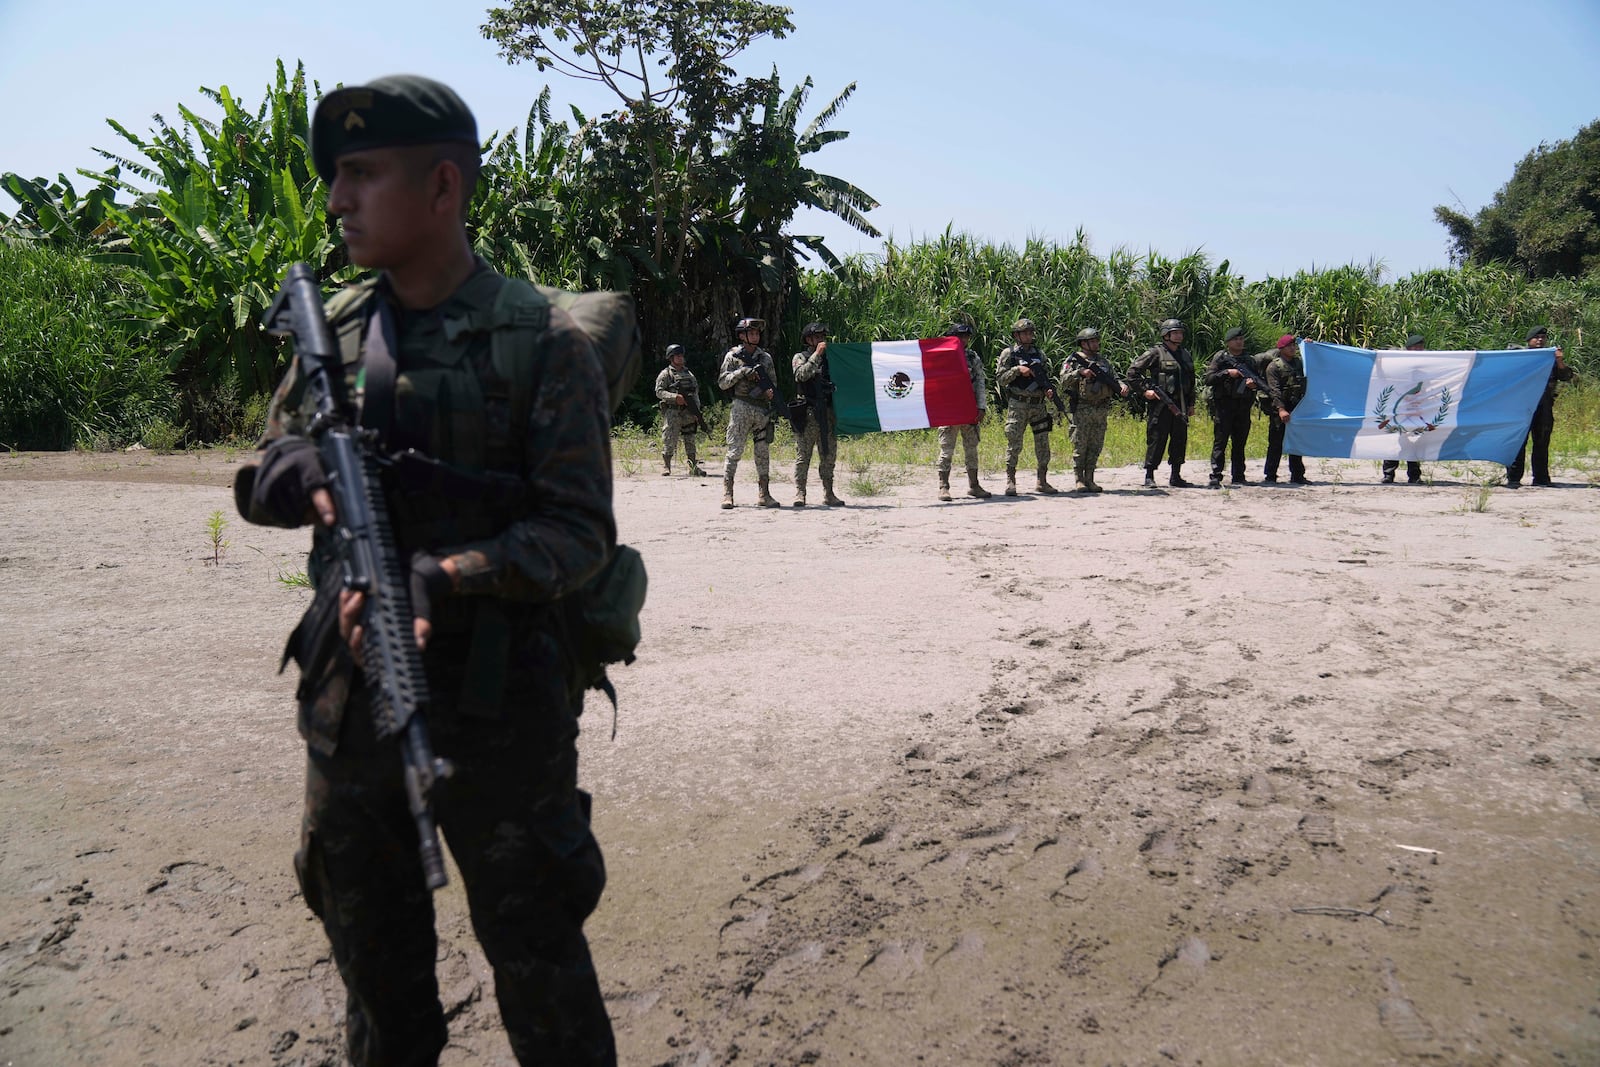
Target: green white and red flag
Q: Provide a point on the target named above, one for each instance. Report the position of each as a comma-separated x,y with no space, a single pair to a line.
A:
901,385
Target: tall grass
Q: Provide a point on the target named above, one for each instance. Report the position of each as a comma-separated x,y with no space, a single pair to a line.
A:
71,372
918,290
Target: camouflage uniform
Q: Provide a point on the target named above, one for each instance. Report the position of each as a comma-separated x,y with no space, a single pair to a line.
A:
749,417
505,698
812,380
677,421
1286,378
1024,409
1089,403
1232,405
1164,431
967,433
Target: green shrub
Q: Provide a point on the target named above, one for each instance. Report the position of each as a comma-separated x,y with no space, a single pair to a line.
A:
71,372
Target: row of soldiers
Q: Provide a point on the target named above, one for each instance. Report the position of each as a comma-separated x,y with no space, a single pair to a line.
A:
1165,377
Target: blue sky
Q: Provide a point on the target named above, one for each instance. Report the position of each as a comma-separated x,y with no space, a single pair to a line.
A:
1275,135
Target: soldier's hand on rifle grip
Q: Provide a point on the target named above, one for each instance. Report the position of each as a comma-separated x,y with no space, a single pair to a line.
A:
681,401
432,579
322,504
351,604
1150,394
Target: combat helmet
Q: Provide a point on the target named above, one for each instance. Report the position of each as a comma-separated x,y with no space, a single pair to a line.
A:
1088,333
673,350
1168,325
1020,325
814,329
750,324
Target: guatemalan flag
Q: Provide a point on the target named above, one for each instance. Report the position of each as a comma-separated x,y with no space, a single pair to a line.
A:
1366,404
901,385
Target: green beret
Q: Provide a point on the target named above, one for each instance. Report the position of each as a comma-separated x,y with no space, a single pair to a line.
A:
401,109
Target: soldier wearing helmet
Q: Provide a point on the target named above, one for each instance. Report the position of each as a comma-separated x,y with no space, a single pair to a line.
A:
1091,386
968,433
1415,342
748,374
679,395
812,414
1165,368
1023,374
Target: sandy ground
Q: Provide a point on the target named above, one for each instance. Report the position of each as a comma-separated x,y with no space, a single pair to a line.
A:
1263,776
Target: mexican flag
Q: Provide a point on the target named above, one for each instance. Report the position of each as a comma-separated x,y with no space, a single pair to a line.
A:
901,385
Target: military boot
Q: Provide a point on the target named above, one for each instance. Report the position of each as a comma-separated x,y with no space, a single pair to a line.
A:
973,488
799,494
666,464
1089,485
765,499
695,468
1149,477
727,490
827,494
1177,480
1043,486
1011,481
944,486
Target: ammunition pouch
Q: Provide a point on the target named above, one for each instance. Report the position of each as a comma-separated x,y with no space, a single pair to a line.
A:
1041,424
797,414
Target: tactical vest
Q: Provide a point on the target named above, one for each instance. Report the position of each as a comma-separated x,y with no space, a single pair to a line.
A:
1027,390
472,396
678,383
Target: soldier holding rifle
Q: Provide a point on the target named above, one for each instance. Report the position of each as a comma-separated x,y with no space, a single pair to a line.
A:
1091,387
748,373
1025,376
488,571
1235,386
1164,374
679,396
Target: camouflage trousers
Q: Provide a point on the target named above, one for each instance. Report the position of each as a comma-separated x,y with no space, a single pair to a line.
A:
673,421
745,421
811,440
1022,415
947,446
1087,429
518,827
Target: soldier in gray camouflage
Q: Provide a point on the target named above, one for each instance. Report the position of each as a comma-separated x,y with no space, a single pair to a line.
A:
748,374
969,432
679,395
1086,378
1024,375
818,430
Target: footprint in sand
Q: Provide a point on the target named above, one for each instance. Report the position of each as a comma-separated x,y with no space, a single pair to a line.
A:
1163,852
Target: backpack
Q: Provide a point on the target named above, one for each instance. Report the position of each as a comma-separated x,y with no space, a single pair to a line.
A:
603,613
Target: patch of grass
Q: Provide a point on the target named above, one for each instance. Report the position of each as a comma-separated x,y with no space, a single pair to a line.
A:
215,525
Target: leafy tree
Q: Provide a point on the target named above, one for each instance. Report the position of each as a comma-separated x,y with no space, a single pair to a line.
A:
667,63
233,202
53,213
1545,220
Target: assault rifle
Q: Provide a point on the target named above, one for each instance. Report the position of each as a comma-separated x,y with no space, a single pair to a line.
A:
763,384
1166,398
1248,374
1102,374
1040,385
691,404
369,562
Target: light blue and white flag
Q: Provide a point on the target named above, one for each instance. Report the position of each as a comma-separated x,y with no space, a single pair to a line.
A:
1404,405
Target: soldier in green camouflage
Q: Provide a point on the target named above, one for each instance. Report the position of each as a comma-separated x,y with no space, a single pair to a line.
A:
1543,424
401,159
968,433
679,395
1286,381
819,431
1021,371
1087,378
748,374
1169,367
